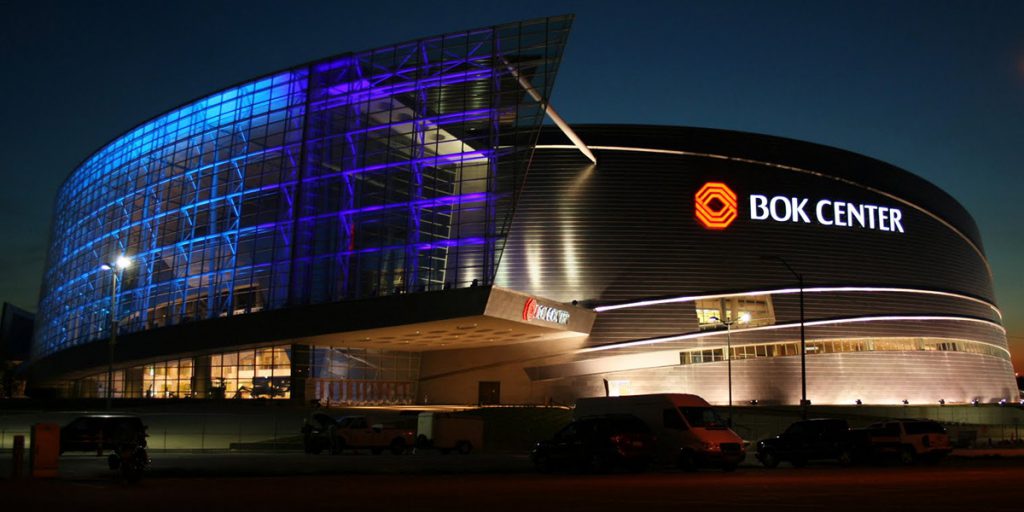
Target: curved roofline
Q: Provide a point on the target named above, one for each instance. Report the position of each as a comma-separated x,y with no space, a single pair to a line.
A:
593,136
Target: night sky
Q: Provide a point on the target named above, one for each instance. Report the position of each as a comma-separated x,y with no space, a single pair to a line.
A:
934,87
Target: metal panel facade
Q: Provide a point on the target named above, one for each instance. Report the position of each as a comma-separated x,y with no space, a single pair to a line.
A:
626,231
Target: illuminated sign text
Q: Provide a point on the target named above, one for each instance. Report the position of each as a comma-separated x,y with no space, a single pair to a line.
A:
826,212
532,310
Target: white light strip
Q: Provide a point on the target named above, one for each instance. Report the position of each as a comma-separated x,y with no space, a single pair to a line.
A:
862,319
942,221
784,291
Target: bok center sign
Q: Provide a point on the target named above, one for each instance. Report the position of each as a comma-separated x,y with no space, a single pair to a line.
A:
716,207
826,212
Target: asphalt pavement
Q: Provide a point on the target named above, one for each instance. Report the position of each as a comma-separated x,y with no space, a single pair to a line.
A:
237,464
505,483
291,463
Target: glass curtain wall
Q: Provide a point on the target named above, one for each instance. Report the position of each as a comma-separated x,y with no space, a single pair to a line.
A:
388,171
339,376
263,372
344,376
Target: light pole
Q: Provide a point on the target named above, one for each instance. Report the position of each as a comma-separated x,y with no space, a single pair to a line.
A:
120,264
744,318
803,340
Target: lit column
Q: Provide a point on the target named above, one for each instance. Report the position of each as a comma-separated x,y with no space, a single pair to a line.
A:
804,403
120,264
743,318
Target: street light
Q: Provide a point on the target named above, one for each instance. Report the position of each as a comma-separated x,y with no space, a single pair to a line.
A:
744,318
803,340
120,264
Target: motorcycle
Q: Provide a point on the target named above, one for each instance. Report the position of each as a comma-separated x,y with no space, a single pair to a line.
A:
130,459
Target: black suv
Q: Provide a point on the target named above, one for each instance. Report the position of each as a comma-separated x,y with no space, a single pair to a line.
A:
807,440
597,444
98,432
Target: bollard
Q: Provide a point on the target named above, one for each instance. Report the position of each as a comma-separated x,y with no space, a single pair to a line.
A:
18,457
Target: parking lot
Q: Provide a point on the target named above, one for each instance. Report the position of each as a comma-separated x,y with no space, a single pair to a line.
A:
499,477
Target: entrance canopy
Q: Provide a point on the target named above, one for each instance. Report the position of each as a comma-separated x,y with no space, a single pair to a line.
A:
478,316
499,317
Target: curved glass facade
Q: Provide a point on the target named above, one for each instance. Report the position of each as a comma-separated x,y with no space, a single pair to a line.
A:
381,172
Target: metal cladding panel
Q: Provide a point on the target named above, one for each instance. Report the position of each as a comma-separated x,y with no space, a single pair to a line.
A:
834,162
919,377
374,173
680,317
861,329
626,229
828,304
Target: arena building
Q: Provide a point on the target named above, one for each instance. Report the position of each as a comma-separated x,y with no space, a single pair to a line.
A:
396,226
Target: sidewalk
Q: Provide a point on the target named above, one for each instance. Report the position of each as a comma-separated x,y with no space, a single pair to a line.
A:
989,453
82,467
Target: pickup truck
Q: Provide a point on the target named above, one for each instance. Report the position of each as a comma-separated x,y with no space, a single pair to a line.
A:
355,432
909,441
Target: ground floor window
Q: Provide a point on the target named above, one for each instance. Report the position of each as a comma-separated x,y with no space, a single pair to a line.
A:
263,372
257,373
343,376
167,379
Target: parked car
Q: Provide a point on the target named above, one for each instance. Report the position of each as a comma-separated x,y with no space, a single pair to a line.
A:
909,440
99,432
353,432
598,444
815,439
689,433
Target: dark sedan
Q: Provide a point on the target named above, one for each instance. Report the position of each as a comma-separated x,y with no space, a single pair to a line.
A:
598,444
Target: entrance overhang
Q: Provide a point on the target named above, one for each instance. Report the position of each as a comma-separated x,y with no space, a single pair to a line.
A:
472,317
506,317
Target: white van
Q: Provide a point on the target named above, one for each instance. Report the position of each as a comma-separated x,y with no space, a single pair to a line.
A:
688,431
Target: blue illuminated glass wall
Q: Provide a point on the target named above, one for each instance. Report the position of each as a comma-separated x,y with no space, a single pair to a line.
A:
388,171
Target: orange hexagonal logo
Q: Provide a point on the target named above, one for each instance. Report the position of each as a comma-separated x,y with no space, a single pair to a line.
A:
715,205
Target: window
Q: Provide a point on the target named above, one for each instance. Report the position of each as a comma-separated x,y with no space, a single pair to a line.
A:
756,309
671,419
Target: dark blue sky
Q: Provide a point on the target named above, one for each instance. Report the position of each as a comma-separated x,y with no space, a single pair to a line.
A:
934,87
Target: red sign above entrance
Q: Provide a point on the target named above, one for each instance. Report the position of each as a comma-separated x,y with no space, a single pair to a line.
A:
533,310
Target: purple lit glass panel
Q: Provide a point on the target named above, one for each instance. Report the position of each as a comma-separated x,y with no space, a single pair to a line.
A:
387,171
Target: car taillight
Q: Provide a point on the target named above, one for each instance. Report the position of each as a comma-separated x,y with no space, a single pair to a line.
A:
626,440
